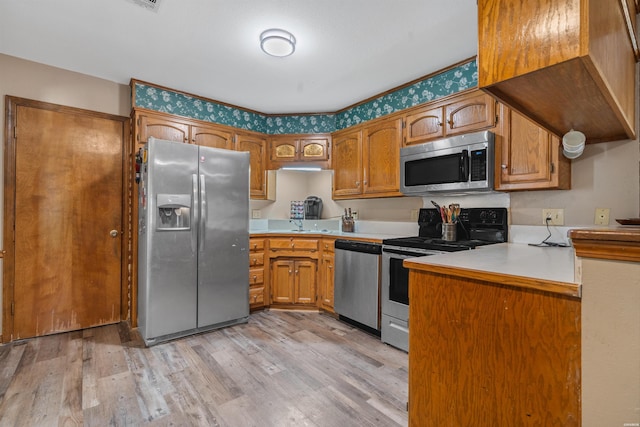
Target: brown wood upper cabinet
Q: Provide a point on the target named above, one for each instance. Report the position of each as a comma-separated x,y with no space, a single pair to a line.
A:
528,157
256,145
468,112
366,160
299,150
569,64
172,128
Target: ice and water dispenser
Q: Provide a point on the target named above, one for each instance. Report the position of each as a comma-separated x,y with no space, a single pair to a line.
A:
174,212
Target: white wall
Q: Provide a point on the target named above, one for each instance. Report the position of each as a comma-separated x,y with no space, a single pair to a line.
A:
297,185
605,176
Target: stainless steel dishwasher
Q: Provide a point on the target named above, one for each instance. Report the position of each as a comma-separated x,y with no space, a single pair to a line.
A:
357,282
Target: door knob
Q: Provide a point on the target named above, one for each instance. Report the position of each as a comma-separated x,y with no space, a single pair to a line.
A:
113,233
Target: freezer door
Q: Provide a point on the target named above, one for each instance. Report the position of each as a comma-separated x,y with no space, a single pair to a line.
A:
223,258
168,293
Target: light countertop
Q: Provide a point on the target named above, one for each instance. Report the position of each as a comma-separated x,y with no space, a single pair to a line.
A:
376,237
544,268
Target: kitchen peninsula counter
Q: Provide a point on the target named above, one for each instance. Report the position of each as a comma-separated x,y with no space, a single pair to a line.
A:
549,269
504,321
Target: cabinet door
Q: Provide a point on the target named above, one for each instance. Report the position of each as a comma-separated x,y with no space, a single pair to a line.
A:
313,149
327,282
161,128
347,164
528,156
424,125
306,273
256,146
211,137
283,149
381,157
473,112
282,281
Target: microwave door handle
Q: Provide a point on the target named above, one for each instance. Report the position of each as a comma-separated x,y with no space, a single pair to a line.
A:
464,166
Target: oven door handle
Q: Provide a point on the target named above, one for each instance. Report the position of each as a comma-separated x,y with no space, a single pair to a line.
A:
403,253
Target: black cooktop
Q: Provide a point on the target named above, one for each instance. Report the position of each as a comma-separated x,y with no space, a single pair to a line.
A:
476,227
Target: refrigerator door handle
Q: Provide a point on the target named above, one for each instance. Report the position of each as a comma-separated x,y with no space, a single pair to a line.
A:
203,212
195,212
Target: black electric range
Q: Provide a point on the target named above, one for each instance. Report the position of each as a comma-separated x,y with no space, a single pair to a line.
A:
475,227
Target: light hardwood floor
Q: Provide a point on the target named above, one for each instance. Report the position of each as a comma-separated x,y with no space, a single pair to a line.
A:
280,369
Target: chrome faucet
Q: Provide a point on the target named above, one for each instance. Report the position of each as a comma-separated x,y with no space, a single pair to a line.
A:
297,222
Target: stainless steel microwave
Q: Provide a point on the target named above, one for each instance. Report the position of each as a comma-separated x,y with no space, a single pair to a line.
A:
457,164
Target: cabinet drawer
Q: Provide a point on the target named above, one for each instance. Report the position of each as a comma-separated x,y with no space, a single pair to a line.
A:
328,245
256,259
294,244
256,295
256,276
256,245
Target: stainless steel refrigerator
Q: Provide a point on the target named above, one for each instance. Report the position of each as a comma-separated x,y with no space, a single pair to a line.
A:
193,239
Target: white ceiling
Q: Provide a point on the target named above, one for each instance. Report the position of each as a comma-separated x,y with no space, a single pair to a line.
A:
347,50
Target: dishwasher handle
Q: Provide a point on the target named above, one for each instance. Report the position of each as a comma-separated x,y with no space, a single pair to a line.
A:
357,246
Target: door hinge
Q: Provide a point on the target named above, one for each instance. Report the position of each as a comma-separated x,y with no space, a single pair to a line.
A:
13,308
15,132
552,168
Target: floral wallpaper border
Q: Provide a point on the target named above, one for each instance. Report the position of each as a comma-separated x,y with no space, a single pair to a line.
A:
446,83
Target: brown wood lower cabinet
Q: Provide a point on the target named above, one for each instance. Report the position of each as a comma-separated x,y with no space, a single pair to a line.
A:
484,354
326,282
293,281
257,284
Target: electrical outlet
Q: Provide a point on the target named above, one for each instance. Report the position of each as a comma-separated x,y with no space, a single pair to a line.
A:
602,216
256,214
556,216
414,214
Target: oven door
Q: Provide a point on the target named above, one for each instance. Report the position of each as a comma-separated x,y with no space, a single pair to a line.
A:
395,280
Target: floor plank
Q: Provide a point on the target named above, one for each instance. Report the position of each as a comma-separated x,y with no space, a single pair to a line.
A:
280,369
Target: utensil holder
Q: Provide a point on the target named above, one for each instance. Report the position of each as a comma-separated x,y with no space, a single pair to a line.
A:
348,225
449,232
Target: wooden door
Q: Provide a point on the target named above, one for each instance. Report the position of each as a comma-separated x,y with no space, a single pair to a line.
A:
305,282
161,128
424,125
283,148
314,149
211,137
473,112
256,147
63,197
524,153
347,164
282,281
381,157
327,285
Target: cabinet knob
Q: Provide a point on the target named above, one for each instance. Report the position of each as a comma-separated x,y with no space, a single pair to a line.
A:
296,271
357,183
289,271
440,124
364,182
255,278
504,166
330,266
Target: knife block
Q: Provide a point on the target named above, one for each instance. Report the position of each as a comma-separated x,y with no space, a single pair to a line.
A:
348,224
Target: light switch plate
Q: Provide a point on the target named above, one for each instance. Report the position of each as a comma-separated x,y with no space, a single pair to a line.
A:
256,214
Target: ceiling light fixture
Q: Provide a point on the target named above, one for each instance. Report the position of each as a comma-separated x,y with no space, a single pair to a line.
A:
277,42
